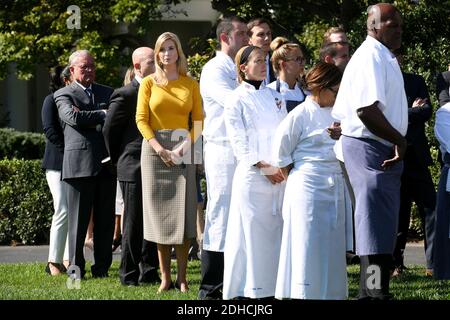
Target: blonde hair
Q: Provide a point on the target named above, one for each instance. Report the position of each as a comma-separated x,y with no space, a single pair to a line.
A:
237,60
160,76
129,76
281,50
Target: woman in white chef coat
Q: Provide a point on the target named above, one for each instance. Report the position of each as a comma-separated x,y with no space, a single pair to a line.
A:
316,206
288,62
253,238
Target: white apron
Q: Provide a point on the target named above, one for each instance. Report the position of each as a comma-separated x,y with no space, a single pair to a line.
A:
312,258
254,229
220,165
317,227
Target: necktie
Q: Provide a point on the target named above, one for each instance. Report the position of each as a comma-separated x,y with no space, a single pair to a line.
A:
89,94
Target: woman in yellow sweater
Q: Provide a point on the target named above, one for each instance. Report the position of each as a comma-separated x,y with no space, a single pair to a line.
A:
166,100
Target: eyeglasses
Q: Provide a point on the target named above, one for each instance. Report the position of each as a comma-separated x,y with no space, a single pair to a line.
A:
86,67
299,60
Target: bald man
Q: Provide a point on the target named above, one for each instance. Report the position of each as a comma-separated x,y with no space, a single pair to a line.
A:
139,257
372,107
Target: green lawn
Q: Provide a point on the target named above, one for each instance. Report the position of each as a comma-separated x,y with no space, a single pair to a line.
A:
29,281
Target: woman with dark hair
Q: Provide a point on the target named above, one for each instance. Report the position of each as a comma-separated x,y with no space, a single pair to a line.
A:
52,163
253,237
316,206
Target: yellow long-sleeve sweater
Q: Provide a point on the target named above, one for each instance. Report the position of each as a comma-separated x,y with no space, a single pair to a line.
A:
168,107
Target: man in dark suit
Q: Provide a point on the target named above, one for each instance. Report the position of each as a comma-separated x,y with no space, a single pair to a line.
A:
417,184
442,87
260,35
86,169
123,140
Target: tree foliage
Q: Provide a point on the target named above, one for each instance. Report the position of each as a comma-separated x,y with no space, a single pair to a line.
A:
426,31
35,32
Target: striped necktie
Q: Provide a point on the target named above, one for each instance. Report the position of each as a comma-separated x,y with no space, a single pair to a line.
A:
89,94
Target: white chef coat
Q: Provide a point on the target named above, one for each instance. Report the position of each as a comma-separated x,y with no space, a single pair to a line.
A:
317,215
217,82
254,228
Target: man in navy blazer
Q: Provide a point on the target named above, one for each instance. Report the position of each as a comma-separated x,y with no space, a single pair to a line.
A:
82,107
123,140
417,184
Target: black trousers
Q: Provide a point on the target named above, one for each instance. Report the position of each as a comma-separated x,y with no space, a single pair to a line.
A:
417,185
83,194
212,275
374,277
139,260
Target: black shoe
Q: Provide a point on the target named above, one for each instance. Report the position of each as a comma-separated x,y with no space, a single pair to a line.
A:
150,277
58,266
130,283
351,258
100,275
47,269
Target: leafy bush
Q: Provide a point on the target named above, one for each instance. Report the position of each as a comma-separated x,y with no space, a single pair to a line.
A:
25,202
21,145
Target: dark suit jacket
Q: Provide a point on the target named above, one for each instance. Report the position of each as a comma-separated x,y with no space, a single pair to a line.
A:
442,87
84,146
54,144
415,87
122,137
272,74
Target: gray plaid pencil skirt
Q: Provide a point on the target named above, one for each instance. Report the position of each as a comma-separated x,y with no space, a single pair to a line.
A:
169,195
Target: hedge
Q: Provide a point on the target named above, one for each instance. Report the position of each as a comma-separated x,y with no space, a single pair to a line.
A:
21,145
26,206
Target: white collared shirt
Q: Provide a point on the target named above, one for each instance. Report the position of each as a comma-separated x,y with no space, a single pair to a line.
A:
218,79
373,74
84,89
138,79
287,93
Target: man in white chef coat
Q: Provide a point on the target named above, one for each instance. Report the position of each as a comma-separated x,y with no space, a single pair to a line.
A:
217,80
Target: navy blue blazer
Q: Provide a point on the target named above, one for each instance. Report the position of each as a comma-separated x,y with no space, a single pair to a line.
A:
442,87
54,142
122,137
415,87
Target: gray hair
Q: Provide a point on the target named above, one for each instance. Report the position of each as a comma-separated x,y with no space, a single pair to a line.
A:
76,54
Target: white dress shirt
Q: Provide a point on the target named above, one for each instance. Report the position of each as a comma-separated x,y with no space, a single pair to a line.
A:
372,75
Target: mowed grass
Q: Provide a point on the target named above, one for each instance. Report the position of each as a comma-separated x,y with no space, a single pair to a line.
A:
28,281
